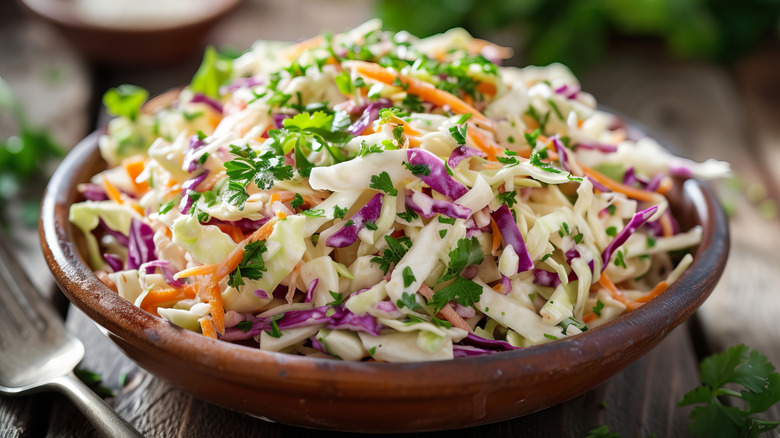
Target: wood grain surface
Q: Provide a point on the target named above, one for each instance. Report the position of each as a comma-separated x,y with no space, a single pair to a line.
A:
706,111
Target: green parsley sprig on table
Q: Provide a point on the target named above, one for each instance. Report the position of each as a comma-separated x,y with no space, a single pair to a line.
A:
721,374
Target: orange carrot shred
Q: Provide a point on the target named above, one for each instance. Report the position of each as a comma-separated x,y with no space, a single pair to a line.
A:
657,290
631,192
134,166
589,317
447,312
112,192
612,289
424,90
207,326
496,235
486,145
197,270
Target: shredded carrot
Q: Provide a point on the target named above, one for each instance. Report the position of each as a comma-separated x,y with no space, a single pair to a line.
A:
197,270
665,185
657,290
496,236
275,198
612,289
487,88
447,312
207,326
484,143
216,308
233,231
112,192
424,90
297,49
666,225
292,286
134,166
589,317
631,192
233,259
477,46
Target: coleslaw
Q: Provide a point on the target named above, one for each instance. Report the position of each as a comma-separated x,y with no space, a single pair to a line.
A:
374,196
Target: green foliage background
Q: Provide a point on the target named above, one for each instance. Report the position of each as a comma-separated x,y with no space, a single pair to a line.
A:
576,32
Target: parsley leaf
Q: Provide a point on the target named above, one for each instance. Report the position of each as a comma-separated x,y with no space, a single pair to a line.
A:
297,201
418,169
408,276
736,366
508,198
125,100
392,255
165,208
382,182
540,119
250,167
467,252
598,308
212,73
338,212
338,299
463,291
408,215
408,300
251,266
459,133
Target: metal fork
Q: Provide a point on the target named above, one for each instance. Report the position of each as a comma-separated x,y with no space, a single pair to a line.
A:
38,354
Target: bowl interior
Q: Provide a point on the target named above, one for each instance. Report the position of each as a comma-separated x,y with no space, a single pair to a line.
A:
367,396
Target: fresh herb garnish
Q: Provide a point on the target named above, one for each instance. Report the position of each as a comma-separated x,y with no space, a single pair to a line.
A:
125,100
418,169
408,300
408,276
507,198
338,212
212,73
397,248
598,308
165,208
297,201
249,167
463,291
251,266
467,252
382,182
719,373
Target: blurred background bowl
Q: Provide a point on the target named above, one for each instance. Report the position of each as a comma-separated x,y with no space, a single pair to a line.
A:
118,34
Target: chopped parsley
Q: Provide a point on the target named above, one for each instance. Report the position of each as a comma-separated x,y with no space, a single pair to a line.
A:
338,299
467,252
408,300
165,208
371,225
297,201
598,308
418,169
397,248
459,133
611,231
251,266
463,291
408,276
619,261
507,198
408,215
338,212
249,167
382,182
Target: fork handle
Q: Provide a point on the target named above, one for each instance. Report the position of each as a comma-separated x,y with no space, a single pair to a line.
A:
105,419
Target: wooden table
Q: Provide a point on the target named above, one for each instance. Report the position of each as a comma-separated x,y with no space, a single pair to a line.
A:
707,111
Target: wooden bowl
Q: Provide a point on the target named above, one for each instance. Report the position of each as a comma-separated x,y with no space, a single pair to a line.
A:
369,396
127,45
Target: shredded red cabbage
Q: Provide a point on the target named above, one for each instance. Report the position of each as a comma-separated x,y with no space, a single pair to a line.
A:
118,235
506,284
598,186
165,270
351,321
245,224
511,234
370,113
193,183
568,91
93,192
488,344
348,234
546,278
438,179
595,146
114,261
636,221
461,153
202,98
140,248
310,291
428,207
562,153
239,83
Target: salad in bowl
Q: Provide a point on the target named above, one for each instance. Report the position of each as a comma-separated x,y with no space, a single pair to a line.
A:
371,196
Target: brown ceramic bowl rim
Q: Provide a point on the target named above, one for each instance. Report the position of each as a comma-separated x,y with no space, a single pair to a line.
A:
426,380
